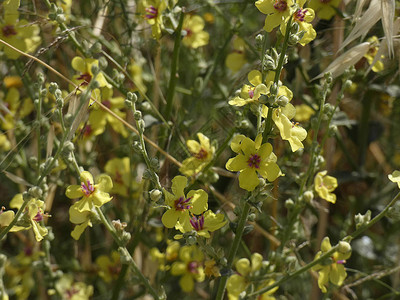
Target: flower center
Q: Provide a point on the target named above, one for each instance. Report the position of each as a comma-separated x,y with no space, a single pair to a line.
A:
202,154
181,204
254,161
192,267
197,222
251,93
87,188
118,178
280,5
39,216
114,270
188,32
86,77
87,130
151,13
300,14
106,103
8,30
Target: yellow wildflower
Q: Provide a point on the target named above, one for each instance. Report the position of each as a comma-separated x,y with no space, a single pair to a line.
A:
5,144
276,10
84,67
324,185
252,158
234,61
180,205
250,93
395,177
152,12
195,35
372,52
13,108
68,289
303,113
109,266
202,153
189,267
211,269
18,33
334,271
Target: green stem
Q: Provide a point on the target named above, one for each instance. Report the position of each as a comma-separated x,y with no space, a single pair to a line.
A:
126,253
174,66
328,254
233,249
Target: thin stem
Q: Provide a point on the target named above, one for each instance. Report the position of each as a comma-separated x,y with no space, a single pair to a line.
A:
174,66
126,253
233,249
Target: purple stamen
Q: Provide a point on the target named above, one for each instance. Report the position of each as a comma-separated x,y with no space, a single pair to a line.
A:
341,262
86,77
192,267
202,154
87,188
254,161
39,216
9,30
152,12
300,14
197,222
181,204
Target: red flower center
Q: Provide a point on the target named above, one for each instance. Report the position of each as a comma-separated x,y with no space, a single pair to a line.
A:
300,14
192,267
39,216
197,222
86,77
254,161
87,188
202,154
280,5
9,30
181,204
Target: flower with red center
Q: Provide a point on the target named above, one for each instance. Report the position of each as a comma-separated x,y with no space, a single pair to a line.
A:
276,10
152,12
195,35
203,224
110,266
189,267
120,171
250,93
202,154
252,159
303,17
180,205
91,194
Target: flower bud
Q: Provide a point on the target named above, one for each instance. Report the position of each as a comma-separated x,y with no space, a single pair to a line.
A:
155,195
131,96
308,196
282,101
344,247
138,115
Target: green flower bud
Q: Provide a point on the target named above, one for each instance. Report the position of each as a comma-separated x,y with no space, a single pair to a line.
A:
308,196
155,195
132,96
138,115
344,247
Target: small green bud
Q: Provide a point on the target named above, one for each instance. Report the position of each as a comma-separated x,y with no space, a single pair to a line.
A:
94,84
141,125
282,101
138,115
60,18
96,48
289,203
137,147
273,89
362,220
155,195
132,96
103,63
95,70
251,217
344,247
69,146
308,196
146,106
328,77
35,192
128,103
33,161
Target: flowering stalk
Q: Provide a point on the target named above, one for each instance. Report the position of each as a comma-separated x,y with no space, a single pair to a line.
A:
232,252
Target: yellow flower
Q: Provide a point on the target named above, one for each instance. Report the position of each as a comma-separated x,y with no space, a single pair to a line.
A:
170,255
180,205
303,113
333,271
84,67
202,153
98,116
68,289
12,81
19,33
325,9
237,283
324,185
252,158
91,194
32,216
234,61
303,17
250,94
291,132
5,144
189,267
372,52
109,266
276,10
195,35
6,217
13,109
203,225
152,12
119,170
81,219
395,177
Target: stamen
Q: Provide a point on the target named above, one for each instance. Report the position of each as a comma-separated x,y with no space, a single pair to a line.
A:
202,154
181,204
192,267
39,216
87,188
251,93
300,14
341,262
254,161
152,13
86,77
197,222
